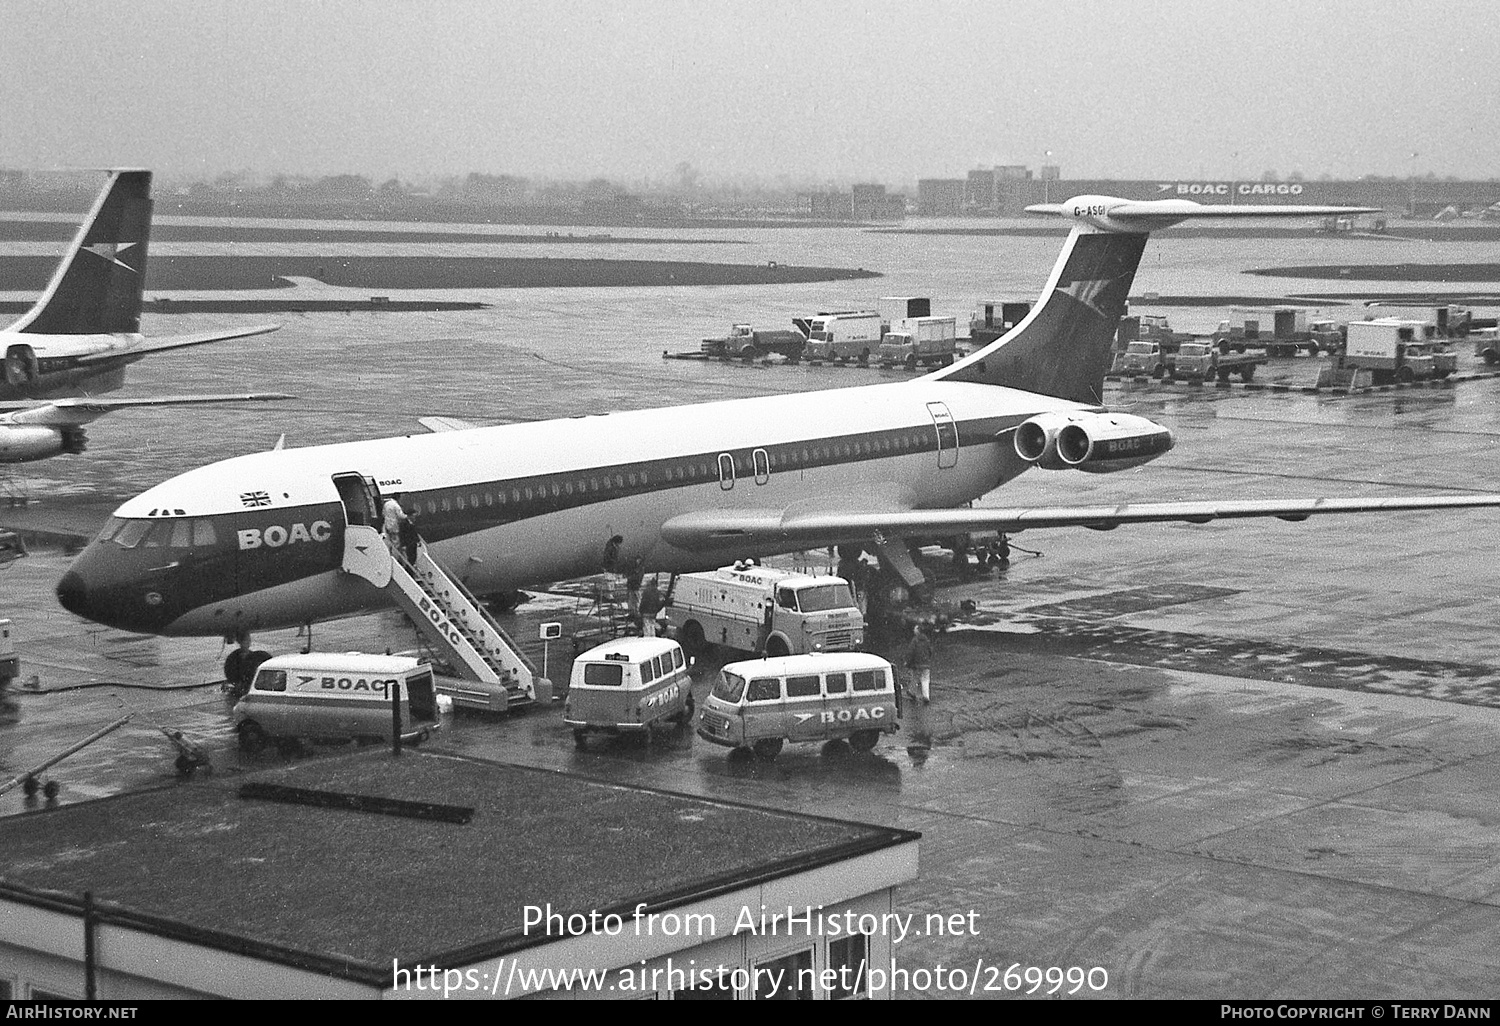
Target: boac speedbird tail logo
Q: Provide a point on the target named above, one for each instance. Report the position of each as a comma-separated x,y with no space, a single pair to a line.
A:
111,251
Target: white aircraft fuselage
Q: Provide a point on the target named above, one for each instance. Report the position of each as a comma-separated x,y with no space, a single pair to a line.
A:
258,541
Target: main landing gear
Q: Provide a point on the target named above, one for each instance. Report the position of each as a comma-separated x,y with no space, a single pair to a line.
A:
241,665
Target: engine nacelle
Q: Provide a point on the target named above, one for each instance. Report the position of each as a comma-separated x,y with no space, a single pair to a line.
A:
23,443
1036,439
1093,442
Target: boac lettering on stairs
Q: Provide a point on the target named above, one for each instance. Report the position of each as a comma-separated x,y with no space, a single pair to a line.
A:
440,620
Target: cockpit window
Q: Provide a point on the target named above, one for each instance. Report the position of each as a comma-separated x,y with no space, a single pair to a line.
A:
177,533
131,534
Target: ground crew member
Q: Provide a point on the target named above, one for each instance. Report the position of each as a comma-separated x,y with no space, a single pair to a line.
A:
651,604
919,661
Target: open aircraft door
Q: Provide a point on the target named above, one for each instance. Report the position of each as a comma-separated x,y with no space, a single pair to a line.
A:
365,551
20,365
947,435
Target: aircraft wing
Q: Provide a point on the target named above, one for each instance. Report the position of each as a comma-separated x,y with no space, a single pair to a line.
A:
83,409
707,530
156,345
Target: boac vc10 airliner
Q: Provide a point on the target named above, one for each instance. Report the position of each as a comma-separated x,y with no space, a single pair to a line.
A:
258,541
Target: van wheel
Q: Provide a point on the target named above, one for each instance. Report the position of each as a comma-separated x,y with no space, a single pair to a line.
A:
767,748
864,356
252,736
580,738
1406,375
685,718
184,766
864,740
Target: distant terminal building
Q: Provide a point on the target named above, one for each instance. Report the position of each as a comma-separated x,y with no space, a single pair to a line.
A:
432,876
1007,191
863,202
940,197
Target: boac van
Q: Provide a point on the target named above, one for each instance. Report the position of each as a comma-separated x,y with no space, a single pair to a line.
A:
329,696
760,703
626,686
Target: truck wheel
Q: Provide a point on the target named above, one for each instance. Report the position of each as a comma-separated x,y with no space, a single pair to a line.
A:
1224,375
864,740
1491,357
777,647
1405,375
580,738
767,748
1312,349
691,638
948,360
252,736
911,362
1158,372
864,357
1223,348
1247,372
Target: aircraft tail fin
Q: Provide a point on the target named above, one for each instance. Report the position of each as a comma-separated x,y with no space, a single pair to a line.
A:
1062,348
97,287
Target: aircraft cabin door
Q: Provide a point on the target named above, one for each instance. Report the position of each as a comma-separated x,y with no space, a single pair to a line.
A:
947,435
20,365
365,551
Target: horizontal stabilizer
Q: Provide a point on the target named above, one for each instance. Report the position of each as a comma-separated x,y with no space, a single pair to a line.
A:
1112,214
156,345
755,528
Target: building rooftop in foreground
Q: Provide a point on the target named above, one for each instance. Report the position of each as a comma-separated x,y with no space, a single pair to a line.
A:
343,893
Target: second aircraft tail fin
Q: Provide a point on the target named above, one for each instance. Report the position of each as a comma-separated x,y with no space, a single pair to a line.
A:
97,288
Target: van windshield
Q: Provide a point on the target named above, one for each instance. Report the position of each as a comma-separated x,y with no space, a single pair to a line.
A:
730,687
824,596
603,674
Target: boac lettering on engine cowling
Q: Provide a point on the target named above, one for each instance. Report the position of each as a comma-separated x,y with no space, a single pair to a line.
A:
275,536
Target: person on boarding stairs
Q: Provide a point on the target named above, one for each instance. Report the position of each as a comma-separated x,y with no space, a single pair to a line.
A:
392,516
408,535
651,604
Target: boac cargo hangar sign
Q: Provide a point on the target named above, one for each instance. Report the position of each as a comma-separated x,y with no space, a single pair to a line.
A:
1229,190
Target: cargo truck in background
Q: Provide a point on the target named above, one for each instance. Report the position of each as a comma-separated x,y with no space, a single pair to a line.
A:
1283,331
912,335
1192,360
841,335
764,611
993,320
1394,349
745,343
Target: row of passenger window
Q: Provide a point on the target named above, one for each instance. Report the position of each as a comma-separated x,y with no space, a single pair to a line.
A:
790,458
813,685
182,533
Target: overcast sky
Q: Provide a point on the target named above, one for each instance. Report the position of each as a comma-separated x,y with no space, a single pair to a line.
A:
825,91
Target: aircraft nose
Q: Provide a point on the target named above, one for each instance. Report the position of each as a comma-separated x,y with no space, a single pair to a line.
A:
99,586
72,593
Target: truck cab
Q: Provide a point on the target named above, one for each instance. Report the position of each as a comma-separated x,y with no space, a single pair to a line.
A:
1143,358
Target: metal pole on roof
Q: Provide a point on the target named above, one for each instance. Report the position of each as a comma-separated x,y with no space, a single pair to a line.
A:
395,719
90,952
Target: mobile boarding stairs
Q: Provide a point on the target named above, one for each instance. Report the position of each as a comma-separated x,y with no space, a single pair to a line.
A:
496,674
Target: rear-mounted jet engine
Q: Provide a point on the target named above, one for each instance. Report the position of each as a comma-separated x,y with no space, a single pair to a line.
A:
1095,442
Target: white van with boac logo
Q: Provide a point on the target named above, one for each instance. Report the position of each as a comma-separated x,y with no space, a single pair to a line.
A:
329,696
759,703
